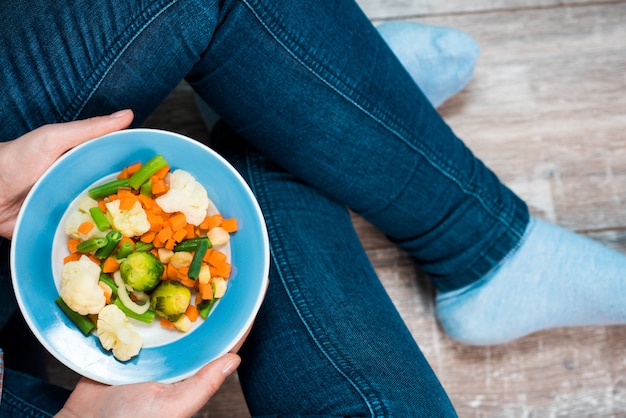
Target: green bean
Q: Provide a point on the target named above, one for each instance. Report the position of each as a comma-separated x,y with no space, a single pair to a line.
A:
205,307
191,244
99,219
143,246
107,189
83,322
146,188
196,261
91,244
125,249
113,238
146,171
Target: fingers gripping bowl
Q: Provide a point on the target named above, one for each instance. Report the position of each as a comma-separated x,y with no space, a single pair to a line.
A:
39,247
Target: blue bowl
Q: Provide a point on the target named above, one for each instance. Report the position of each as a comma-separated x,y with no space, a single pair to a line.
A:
39,245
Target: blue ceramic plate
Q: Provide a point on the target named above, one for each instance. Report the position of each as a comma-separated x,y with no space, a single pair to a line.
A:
39,245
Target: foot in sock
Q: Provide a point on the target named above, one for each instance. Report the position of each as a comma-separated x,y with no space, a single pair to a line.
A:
555,278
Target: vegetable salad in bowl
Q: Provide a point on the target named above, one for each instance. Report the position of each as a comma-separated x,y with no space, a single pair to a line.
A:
148,244
131,238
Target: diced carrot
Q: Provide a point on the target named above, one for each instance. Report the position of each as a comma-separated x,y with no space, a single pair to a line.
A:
188,282
85,227
166,324
216,258
205,290
221,270
71,244
146,201
123,174
179,235
148,237
172,272
170,244
162,172
132,169
157,242
191,232
127,202
230,225
110,265
164,234
182,272
102,205
215,220
178,221
207,255
192,312
71,257
159,187
198,298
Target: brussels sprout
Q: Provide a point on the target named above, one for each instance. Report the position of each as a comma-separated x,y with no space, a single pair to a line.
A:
170,299
141,270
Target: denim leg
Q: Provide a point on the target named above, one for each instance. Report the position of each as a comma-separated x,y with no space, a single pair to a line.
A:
27,396
328,340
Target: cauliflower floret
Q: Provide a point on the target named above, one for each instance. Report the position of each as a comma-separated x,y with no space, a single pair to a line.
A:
117,334
73,222
185,195
79,286
132,222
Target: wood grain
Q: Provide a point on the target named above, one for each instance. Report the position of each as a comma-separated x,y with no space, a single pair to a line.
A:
546,111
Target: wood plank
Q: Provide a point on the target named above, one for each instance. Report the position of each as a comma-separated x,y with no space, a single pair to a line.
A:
402,9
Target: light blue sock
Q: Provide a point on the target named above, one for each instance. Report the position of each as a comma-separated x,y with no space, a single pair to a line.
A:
441,60
555,278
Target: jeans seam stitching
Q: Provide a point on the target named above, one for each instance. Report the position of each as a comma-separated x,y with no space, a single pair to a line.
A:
296,300
117,49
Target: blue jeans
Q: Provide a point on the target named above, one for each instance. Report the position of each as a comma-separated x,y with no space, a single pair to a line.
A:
319,116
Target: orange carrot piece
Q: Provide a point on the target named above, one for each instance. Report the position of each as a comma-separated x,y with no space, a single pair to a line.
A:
179,235
230,225
191,232
166,324
192,313
102,205
85,227
157,242
148,237
207,255
146,201
170,244
178,221
71,257
215,220
110,265
216,258
123,174
172,272
71,245
132,169
94,259
205,290
162,172
188,282
159,187
223,270
198,298
164,234
127,202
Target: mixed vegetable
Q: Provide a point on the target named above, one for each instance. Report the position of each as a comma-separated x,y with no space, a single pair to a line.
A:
146,245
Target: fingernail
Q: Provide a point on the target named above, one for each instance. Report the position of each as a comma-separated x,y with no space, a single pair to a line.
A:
119,114
231,366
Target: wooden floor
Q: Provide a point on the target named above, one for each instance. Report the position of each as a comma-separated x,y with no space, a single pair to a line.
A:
546,110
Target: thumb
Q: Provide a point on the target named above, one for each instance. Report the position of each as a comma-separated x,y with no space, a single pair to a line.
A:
199,388
56,139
